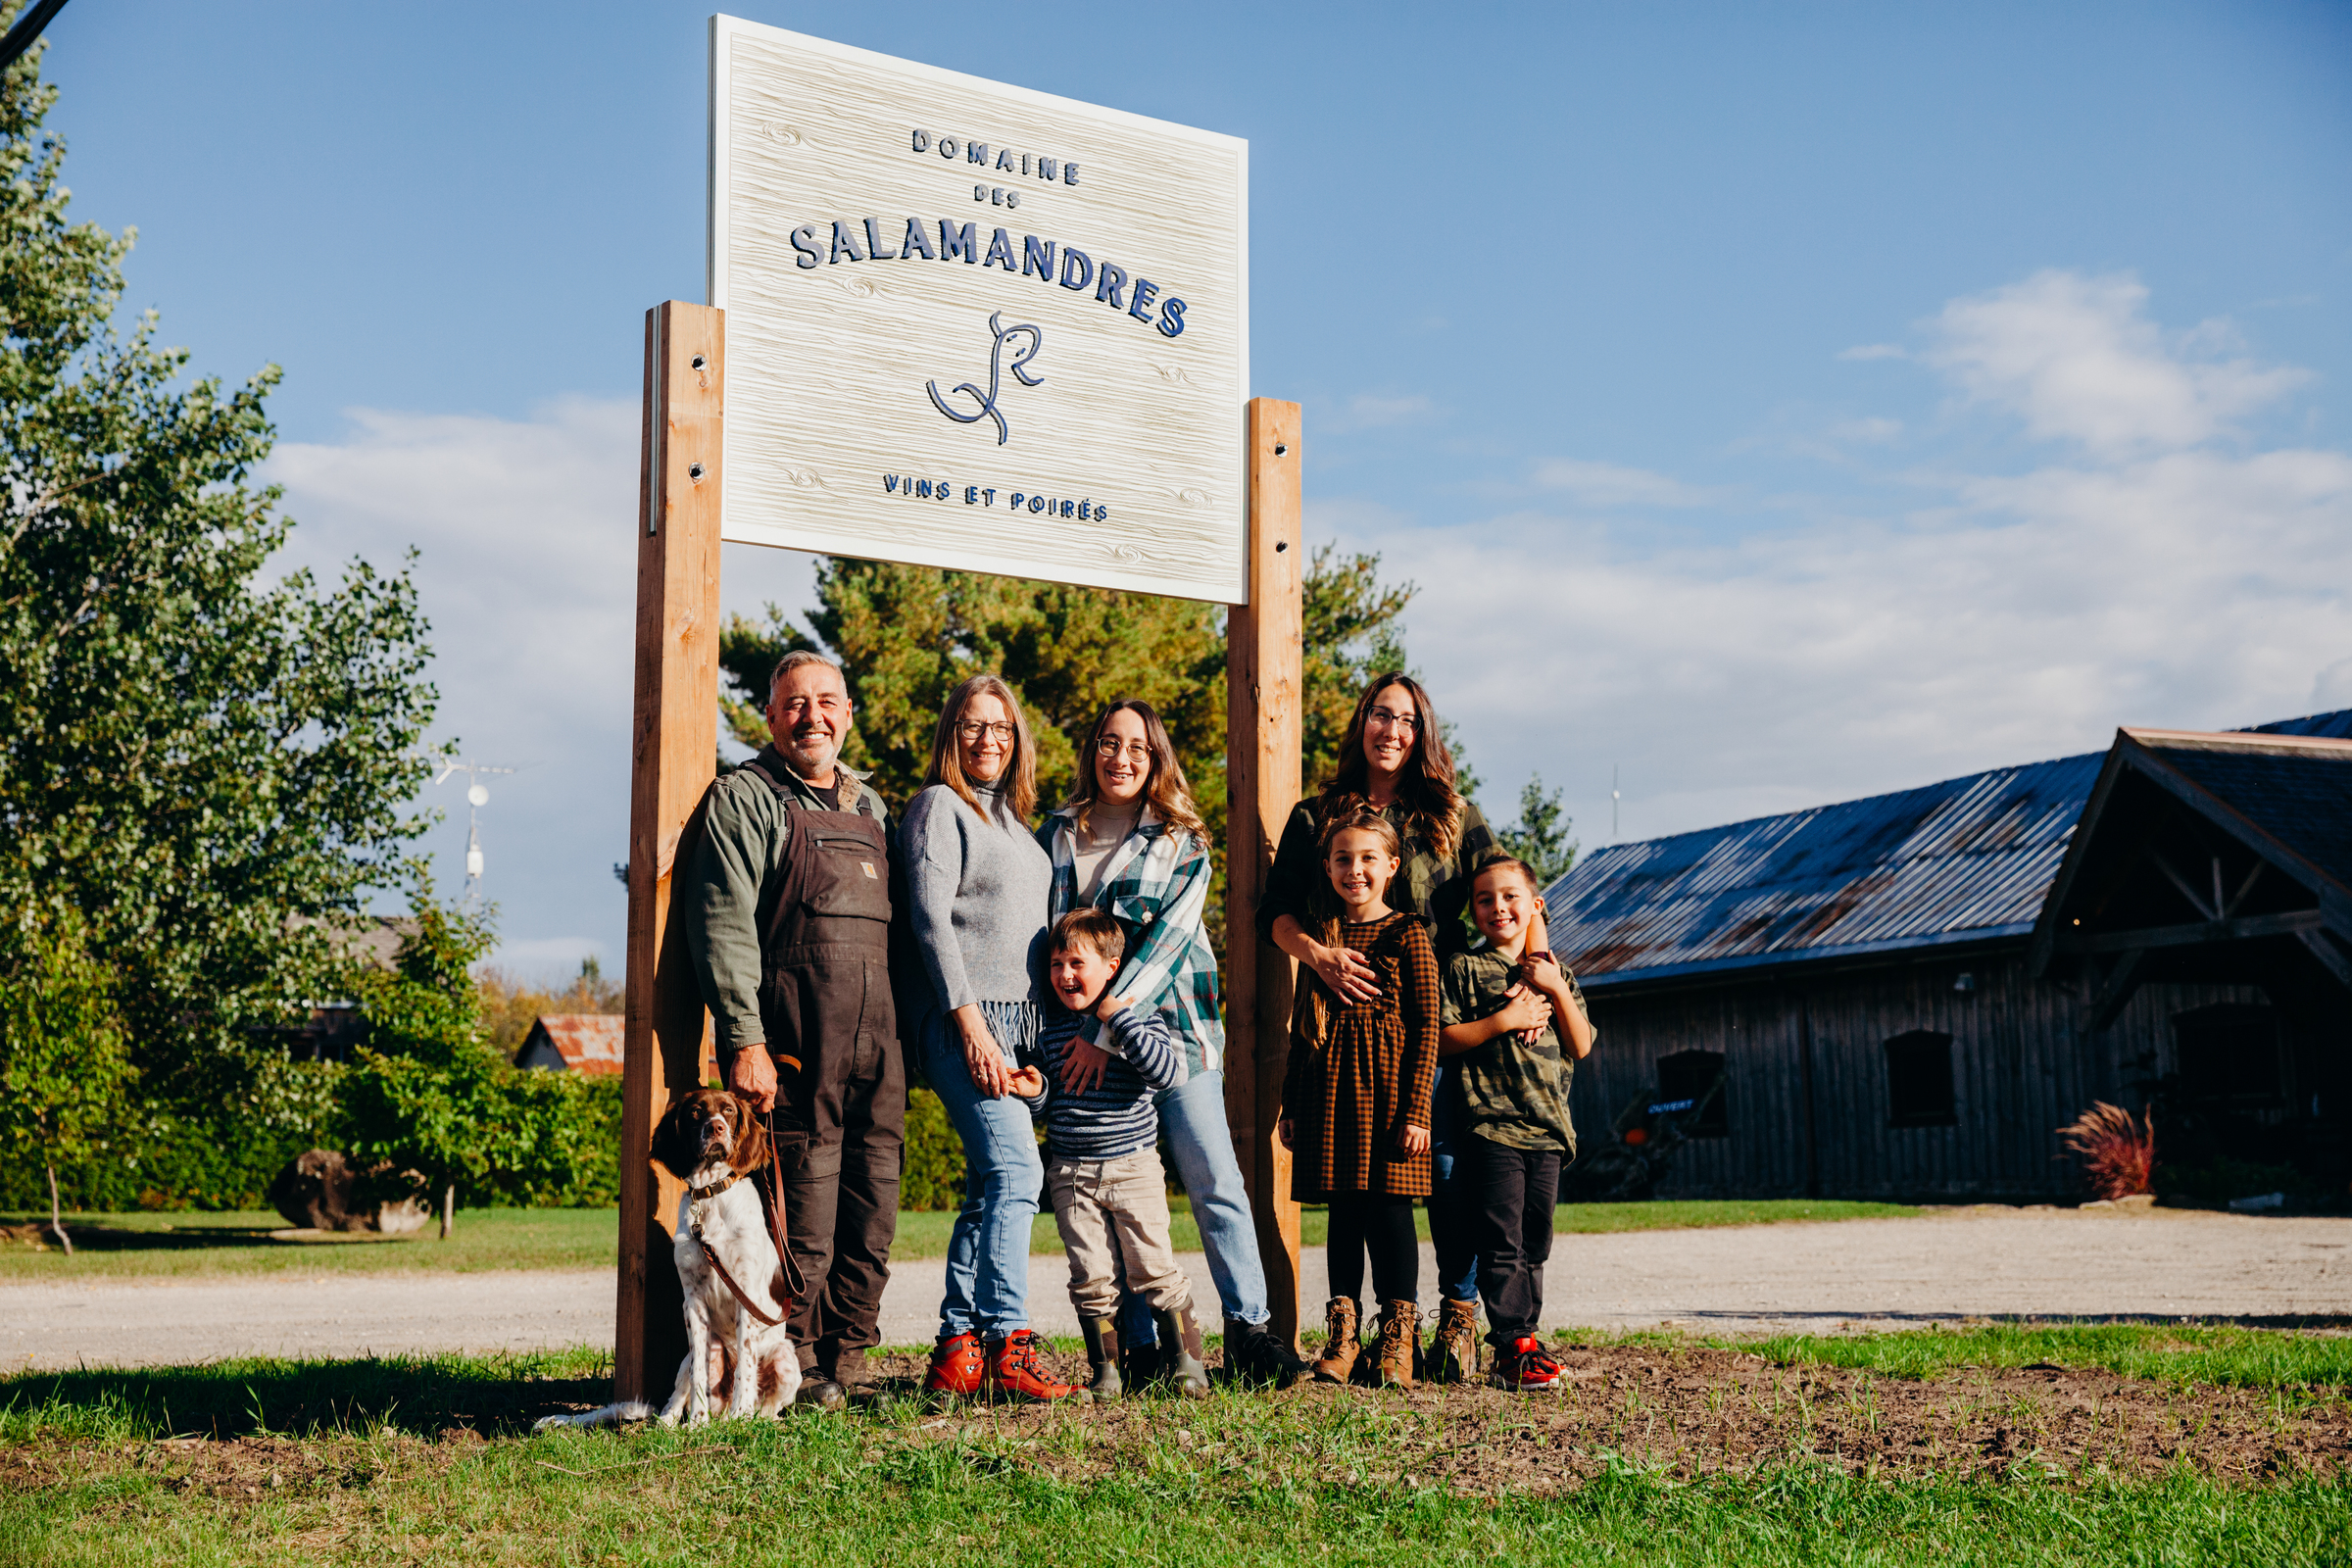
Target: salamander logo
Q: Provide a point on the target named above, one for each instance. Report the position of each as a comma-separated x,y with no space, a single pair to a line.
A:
996,370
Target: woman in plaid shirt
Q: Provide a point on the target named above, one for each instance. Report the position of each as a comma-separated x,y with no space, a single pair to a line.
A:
1129,842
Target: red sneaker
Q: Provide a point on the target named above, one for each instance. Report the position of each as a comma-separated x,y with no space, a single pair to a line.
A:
1527,1367
956,1366
1013,1371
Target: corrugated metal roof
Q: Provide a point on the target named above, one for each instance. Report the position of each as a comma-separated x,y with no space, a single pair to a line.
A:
2336,725
1964,860
588,1042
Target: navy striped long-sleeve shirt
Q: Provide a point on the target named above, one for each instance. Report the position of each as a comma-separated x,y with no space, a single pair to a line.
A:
1116,1116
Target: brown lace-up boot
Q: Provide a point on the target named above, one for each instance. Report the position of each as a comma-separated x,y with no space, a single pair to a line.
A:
1339,1347
1453,1350
1399,1337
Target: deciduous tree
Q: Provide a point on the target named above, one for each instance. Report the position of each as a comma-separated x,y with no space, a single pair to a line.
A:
208,763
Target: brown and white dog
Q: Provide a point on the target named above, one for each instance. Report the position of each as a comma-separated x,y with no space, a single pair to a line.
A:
734,1362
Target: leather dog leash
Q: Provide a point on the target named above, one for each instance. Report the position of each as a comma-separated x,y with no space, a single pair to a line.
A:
795,1284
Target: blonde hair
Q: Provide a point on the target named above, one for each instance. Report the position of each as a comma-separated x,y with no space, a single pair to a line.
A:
1310,1012
1165,791
1019,778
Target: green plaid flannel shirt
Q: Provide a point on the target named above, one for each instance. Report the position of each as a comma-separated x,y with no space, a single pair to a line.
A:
1155,885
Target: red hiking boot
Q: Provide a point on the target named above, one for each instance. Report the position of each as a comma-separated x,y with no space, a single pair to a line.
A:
1527,1367
956,1366
1013,1372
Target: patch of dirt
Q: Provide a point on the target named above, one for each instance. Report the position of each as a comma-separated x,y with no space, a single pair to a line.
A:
236,1470
1692,1412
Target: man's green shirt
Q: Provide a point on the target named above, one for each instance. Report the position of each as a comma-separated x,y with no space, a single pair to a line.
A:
1512,1093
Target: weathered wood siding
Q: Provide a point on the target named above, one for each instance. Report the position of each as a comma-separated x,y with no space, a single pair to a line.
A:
2024,1063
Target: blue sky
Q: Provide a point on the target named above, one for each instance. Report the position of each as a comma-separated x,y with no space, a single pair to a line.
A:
1776,403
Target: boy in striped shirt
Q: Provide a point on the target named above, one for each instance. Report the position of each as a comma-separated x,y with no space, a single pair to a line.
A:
1111,1198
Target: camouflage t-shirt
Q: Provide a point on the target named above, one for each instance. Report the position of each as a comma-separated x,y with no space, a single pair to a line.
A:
1512,1093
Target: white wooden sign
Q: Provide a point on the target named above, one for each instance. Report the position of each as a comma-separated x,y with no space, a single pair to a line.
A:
976,327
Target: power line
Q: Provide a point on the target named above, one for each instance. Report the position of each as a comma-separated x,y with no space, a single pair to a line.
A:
28,28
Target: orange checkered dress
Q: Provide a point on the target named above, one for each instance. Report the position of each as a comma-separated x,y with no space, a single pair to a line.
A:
1353,1096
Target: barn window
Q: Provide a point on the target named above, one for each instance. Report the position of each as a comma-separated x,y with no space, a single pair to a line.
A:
1693,1080
1919,1080
2229,1052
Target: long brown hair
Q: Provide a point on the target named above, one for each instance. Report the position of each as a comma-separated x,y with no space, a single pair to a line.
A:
1433,807
1310,1010
1164,791
1019,778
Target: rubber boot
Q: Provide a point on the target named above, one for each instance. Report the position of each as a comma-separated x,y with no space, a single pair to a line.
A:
1180,1338
1103,1355
1399,1337
1453,1351
1339,1347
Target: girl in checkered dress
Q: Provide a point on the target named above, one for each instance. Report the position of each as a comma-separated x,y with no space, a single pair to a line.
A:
1355,1101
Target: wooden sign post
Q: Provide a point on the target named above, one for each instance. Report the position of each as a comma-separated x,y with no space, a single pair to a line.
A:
1263,671
673,755
673,750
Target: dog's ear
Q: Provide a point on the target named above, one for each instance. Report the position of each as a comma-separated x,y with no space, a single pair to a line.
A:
677,1142
751,1140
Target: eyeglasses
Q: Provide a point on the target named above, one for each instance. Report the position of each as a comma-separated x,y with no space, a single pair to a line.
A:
1109,747
1382,719
973,731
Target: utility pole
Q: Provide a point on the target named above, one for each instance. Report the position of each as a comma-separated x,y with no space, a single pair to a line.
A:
28,28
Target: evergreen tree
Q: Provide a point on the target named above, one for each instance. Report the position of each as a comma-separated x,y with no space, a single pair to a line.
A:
1541,835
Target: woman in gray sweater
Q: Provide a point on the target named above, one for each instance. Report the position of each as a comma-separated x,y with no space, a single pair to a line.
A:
978,886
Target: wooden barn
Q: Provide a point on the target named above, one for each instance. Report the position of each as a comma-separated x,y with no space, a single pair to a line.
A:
1906,996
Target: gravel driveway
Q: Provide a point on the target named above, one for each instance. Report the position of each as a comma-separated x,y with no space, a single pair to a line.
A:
1867,1273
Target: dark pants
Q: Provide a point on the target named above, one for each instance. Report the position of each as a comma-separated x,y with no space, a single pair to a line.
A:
1453,1198
1513,1194
841,1127
1383,1226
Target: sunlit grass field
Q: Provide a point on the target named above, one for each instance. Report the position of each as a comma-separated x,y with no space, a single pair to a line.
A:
357,1461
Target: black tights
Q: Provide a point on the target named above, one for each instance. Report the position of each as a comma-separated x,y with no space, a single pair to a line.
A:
1383,1226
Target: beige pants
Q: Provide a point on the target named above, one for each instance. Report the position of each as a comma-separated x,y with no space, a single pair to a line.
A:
1114,1211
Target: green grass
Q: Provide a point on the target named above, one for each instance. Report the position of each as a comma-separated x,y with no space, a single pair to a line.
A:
194,1245
1234,1480
2182,1353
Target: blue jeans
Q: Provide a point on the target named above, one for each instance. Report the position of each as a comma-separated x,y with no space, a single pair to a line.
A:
1453,1201
988,1251
1193,1116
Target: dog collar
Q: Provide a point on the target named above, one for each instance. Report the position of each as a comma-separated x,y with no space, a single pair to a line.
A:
703,1194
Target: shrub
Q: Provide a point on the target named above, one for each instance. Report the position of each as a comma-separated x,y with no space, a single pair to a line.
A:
2119,1153
933,1177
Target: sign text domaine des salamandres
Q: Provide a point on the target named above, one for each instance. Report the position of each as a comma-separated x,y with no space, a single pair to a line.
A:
972,325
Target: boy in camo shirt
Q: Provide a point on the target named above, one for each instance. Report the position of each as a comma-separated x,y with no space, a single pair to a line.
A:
1503,1017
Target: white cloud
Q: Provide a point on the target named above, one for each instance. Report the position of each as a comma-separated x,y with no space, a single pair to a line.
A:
1872,351
1867,432
2005,620
1605,484
2332,687
2078,360
527,572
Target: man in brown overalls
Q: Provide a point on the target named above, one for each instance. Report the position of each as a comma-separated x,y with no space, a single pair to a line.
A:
787,911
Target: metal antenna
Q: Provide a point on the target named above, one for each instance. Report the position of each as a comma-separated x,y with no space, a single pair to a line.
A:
1612,803
476,798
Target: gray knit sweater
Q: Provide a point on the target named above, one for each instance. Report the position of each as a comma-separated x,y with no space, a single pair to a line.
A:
977,890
